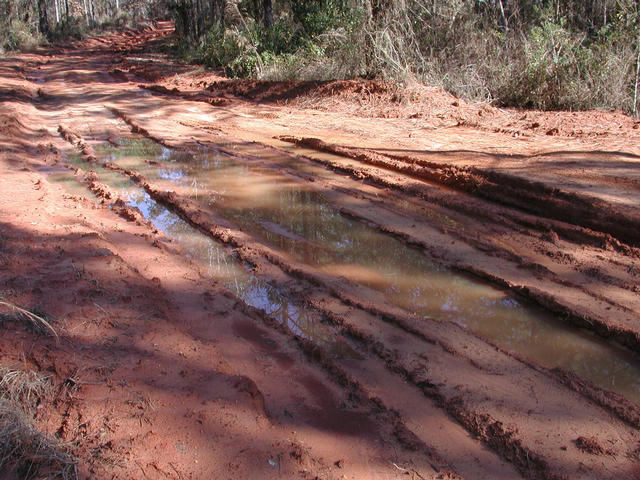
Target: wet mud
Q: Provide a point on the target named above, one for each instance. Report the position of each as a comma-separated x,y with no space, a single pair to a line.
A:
334,244
529,196
486,427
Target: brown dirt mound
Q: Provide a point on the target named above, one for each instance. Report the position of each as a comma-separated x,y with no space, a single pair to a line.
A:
433,105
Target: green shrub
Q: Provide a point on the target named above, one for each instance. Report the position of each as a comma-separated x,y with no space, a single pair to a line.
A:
283,37
19,36
72,27
231,50
550,61
544,54
319,16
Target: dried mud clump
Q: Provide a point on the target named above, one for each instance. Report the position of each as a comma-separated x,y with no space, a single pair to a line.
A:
589,445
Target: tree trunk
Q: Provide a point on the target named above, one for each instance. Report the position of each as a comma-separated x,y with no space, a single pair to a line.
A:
57,11
86,12
43,19
504,17
635,87
268,13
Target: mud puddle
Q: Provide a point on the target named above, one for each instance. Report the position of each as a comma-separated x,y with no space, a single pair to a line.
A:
214,260
290,215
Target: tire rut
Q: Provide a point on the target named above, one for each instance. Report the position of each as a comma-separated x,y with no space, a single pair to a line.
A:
491,430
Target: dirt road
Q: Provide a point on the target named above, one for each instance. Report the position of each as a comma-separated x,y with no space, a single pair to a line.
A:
322,280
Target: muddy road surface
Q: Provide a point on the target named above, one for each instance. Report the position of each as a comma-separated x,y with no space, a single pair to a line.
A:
319,280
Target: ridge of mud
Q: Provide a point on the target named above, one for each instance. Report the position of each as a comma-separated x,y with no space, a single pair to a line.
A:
196,97
623,408
79,142
491,431
568,231
573,314
315,353
511,190
379,99
266,91
570,314
486,428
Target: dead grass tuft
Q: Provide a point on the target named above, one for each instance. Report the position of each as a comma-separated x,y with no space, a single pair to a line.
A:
37,321
28,452
23,388
24,450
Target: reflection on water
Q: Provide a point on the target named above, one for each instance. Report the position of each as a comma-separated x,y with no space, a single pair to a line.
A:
214,260
291,216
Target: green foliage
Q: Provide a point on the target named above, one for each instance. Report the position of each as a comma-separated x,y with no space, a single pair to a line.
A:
554,66
231,50
72,27
319,16
19,36
552,59
308,40
283,37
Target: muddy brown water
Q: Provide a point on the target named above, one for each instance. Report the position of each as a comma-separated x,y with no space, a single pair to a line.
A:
214,260
288,214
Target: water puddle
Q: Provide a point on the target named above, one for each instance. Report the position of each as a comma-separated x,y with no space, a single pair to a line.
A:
292,216
214,260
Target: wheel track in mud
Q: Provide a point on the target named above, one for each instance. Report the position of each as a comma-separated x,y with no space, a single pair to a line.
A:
549,302
506,189
625,329
315,353
491,431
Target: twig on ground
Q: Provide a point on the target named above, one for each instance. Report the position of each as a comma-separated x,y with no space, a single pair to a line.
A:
35,319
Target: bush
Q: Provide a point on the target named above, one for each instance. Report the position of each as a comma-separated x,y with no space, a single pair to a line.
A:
553,67
231,50
72,27
546,55
313,40
19,36
549,63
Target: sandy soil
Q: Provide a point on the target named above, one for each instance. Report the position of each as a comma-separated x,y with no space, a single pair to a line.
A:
162,373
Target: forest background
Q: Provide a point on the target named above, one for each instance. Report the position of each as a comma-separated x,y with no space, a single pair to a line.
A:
543,54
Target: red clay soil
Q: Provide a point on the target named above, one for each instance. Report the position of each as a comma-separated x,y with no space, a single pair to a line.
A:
160,372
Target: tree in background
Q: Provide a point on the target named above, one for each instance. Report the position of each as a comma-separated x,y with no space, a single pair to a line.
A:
43,18
26,23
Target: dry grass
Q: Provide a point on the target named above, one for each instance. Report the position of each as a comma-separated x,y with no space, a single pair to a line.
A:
24,450
544,60
37,321
28,452
23,388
